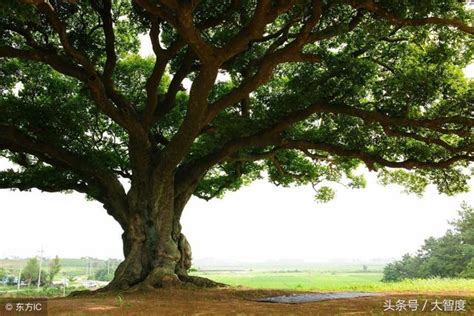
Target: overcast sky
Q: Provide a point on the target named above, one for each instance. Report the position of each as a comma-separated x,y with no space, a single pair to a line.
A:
260,222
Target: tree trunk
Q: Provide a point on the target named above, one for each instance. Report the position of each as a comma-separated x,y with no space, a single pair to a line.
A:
156,253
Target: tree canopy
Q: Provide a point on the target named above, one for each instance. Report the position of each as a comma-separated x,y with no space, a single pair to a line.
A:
309,88
302,91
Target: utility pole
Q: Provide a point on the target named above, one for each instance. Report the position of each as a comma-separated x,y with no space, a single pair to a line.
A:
64,284
87,267
19,279
40,265
92,269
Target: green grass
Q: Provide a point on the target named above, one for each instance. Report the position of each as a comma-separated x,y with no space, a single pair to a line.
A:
321,279
12,291
336,281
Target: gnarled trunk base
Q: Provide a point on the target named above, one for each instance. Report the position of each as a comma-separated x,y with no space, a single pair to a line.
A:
157,254
154,260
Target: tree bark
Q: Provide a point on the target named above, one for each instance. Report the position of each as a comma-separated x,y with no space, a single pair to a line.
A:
156,252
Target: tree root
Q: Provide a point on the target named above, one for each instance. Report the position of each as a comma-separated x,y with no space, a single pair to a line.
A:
200,281
152,283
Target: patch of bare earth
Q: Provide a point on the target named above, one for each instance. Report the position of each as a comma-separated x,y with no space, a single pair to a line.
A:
235,301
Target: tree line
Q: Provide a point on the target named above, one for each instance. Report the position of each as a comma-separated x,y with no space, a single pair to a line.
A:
450,256
31,275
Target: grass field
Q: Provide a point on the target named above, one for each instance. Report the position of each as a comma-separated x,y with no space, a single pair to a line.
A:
11,291
312,278
336,281
247,285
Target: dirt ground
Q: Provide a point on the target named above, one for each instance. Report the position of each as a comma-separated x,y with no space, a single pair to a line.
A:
237,301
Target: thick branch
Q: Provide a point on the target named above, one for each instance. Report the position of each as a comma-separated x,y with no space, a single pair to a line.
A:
267,137
436,124
292,52
194,120
27,180
338,29
175,86
13,139
159,68
104,8
264,14
57,62
271,136
66,67
371,159
101,90
372,6
48,10
263,75
180,16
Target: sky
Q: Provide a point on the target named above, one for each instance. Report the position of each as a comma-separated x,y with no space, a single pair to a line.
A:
259,223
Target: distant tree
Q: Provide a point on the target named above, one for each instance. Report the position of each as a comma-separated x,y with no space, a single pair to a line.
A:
468,272
364,268
103,274
442,257
451,255
30,272
3,276
464,226
54,268
12,280
408,267
392,272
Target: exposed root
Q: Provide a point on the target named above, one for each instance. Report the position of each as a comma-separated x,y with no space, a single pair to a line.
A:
85,293
153,282
81,293
200,282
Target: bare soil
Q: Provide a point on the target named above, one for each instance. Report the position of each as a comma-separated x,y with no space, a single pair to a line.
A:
235,301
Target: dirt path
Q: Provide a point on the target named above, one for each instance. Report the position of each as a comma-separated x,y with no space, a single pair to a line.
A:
235,301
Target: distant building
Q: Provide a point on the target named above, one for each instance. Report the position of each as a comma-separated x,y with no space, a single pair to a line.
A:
92,284
61,283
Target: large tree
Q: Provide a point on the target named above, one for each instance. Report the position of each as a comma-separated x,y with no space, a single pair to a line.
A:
297,91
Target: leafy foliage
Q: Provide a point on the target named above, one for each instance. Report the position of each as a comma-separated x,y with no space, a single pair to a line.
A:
299,92
30,272
54,268
103,274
